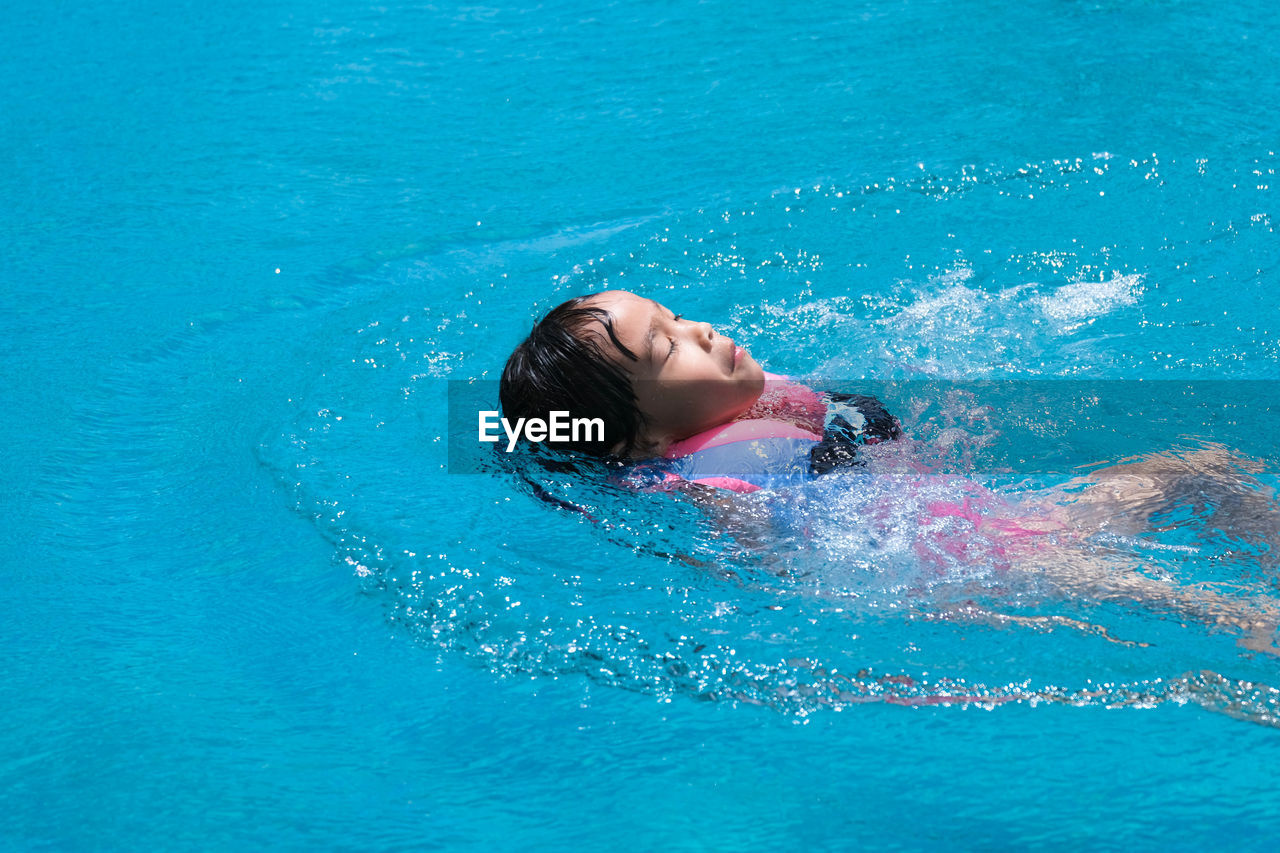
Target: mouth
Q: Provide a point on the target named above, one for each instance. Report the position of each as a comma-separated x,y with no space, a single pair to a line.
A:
738,354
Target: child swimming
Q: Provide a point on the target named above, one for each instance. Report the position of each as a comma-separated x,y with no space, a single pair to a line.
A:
667,387
690,409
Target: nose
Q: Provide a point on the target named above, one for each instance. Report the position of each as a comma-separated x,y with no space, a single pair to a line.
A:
706,334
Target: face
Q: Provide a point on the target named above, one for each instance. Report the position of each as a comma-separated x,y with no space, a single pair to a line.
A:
688,378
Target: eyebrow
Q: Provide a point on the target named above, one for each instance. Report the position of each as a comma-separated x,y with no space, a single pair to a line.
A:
653,330
648,339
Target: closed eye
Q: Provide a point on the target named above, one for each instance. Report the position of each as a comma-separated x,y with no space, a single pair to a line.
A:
675,318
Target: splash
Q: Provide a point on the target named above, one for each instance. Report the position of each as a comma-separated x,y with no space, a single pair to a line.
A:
852,591
1078,304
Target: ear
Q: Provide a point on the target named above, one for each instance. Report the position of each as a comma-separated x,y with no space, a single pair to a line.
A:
648,445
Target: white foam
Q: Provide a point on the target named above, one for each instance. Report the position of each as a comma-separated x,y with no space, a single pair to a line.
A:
1078,303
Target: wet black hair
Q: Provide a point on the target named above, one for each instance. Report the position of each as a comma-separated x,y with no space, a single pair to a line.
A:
562,366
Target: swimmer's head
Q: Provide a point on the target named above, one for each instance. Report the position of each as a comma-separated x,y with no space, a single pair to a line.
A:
652,376
564,365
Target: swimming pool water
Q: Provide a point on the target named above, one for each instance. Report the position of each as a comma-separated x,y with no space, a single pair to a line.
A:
249,247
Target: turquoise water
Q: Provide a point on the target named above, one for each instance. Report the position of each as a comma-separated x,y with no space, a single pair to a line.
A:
249,246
